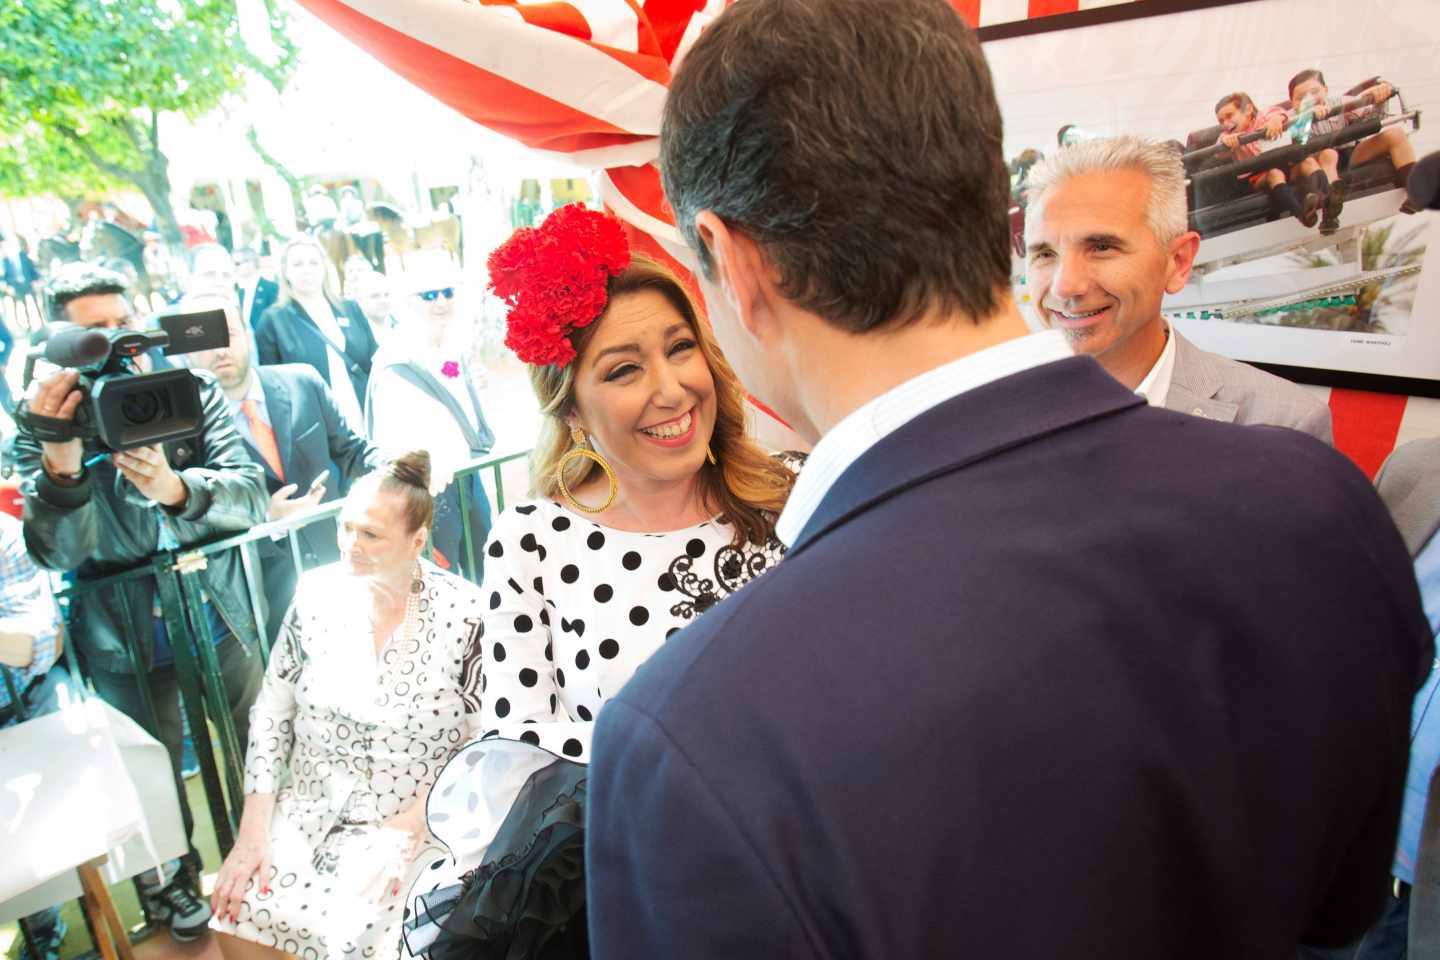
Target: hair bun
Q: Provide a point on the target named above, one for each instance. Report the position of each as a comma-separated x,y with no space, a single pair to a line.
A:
411,469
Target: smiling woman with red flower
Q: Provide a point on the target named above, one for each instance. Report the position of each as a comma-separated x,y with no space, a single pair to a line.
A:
651,504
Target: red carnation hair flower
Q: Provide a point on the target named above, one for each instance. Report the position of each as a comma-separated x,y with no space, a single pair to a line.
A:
553,278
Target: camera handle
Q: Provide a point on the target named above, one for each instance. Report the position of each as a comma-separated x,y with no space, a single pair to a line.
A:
51,429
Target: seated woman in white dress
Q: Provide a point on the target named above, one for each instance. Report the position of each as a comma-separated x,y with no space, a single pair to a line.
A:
372,686
651,504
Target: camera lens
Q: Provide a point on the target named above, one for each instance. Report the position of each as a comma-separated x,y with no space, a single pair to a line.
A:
140,406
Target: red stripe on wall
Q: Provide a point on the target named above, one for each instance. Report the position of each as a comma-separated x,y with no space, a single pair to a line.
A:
1366,425
969,10
1046,8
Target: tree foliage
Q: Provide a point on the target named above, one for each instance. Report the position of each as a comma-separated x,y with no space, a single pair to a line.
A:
83,84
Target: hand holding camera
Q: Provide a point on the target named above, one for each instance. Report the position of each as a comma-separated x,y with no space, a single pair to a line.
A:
57,398
149,470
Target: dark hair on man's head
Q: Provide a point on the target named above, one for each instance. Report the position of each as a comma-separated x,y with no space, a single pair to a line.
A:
1303,76
1241,101
858,144
81,279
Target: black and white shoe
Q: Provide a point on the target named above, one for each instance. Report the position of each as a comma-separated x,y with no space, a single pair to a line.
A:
177,906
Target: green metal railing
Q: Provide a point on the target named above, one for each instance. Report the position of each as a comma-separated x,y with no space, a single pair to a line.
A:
197,666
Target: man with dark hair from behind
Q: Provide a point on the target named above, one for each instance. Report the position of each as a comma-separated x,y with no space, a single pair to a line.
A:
1047,672
92,516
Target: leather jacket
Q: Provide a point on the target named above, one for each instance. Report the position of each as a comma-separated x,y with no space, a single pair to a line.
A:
102,525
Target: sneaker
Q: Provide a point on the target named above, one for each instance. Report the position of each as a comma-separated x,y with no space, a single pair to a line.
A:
177,906
1309,209
1334,203
49,944
189,759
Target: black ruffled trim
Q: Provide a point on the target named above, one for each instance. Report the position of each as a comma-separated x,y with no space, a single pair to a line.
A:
527,900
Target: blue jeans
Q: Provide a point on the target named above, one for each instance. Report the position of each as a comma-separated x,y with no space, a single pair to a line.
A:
1386,939
43,697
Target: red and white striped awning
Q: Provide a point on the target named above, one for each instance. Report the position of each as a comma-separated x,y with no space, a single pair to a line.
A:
585,80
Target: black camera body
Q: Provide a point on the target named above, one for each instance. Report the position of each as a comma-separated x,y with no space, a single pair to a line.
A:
123,408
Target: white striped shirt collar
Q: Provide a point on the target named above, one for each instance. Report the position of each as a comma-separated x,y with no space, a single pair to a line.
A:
849,439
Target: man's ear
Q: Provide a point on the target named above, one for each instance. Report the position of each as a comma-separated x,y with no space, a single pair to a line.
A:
738,269
1182,258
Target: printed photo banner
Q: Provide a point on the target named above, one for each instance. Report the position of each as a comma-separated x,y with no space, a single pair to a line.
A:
1356,304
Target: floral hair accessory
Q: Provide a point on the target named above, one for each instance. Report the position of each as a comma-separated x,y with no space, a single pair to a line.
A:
553,278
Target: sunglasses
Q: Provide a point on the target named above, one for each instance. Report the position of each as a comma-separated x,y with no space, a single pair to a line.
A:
430,296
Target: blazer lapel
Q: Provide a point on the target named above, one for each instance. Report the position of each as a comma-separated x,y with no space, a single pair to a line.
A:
1193,385
980,423
280,407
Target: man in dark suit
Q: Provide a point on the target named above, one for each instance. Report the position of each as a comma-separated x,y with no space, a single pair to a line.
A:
255,293
290,426
1047,671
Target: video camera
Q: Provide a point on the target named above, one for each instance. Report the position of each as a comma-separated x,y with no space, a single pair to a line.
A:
123,408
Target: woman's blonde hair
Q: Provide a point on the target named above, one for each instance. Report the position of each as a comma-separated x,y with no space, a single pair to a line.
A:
287,295
747,488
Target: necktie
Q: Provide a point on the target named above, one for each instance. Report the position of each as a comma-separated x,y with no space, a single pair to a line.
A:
264,437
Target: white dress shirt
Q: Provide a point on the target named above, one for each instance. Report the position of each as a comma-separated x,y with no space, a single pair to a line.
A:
404,417
1156,385
341,385
849,439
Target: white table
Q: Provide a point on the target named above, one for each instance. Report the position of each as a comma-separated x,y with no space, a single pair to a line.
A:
79,788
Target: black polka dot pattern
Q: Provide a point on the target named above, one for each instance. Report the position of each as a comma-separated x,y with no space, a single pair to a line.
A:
369,750
616,598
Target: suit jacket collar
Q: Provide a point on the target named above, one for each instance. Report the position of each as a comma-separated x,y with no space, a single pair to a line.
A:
979,423
280,406
1194,383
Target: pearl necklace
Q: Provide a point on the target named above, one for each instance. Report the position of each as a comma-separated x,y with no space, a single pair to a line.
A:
410,620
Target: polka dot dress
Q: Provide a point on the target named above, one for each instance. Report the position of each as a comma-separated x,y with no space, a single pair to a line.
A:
347,740
572,609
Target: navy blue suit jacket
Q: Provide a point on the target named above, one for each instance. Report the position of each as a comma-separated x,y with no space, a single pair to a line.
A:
310,432
1050,673
264,297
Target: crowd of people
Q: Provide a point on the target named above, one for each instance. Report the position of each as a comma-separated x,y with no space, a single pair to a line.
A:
1081,642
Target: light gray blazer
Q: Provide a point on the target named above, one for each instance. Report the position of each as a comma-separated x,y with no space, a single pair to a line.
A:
1409,483
1217,388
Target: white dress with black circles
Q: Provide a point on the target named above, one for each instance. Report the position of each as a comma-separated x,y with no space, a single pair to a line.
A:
346,740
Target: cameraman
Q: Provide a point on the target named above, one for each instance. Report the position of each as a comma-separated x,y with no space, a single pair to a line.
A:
116,513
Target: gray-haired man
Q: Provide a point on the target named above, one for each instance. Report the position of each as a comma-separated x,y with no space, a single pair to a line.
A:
1106,239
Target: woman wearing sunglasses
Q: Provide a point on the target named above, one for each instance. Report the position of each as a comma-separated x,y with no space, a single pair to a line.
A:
425,393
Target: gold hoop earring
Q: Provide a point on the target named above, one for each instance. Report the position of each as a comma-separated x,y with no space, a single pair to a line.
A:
581,450
710,455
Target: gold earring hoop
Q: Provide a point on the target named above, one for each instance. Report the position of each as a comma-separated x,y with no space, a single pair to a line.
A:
581,450
710,455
